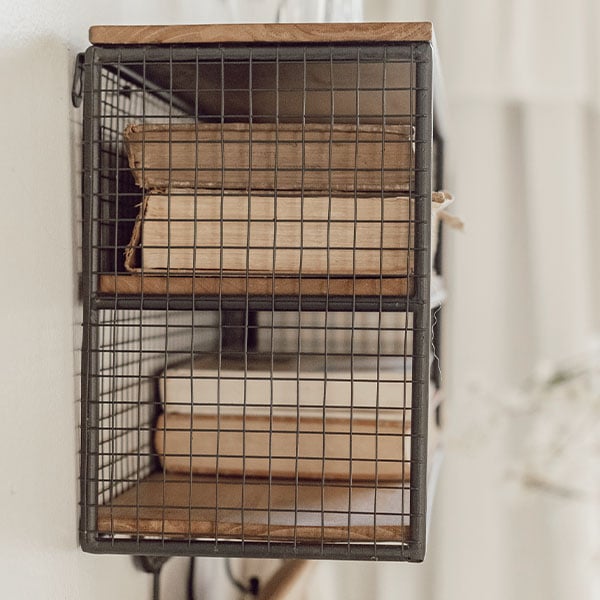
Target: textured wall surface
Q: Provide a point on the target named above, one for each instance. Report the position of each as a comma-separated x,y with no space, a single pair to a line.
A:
40,310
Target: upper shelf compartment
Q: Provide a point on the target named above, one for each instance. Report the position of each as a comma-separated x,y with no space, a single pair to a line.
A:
261,161
337,71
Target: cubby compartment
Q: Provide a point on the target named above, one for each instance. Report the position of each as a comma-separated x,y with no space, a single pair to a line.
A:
258,288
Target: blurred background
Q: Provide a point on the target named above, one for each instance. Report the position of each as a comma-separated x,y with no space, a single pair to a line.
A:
517,509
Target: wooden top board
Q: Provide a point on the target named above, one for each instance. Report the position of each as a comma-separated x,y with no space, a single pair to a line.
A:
270,33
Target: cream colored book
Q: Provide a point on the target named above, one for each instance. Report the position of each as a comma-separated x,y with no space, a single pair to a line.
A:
316,386
264,156
285,236
272,419
361,449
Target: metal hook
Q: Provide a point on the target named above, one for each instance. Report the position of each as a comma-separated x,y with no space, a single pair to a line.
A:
251,587
152,565
77,87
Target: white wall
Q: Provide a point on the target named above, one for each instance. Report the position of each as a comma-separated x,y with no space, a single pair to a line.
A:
40,313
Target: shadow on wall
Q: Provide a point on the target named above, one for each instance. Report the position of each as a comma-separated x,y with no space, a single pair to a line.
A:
37,249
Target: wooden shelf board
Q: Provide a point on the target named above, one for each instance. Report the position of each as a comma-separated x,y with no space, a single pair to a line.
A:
176,507
255,286
270,33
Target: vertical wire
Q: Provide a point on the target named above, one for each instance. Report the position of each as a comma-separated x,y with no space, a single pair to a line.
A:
111,93
220,298
299,342
353,314
411,283
379,314
124,368
99,403
170,199
141,313
89,398
247,282
275,199
423,186
327,298
193,312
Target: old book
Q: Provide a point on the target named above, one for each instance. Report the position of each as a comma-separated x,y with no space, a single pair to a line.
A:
362,386
287,419
290,416
308,447
283,445
264,156
187,232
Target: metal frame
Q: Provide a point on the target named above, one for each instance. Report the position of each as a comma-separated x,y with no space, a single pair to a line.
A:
97,58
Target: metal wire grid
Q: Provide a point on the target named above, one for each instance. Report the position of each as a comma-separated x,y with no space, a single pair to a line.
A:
129,348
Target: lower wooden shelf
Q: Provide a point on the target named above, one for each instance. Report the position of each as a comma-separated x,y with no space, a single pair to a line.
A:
182,507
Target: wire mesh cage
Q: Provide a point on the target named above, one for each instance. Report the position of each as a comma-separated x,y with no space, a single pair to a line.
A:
257,260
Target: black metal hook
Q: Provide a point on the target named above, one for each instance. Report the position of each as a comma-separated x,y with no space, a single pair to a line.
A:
251,587
152,565
77,87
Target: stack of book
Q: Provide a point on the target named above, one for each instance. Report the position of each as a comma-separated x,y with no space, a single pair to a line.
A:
301,201
304,417
287,201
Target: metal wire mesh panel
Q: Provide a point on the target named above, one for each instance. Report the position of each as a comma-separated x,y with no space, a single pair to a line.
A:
256,272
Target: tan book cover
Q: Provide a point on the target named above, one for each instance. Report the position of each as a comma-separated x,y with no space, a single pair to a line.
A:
264,156
272,419
185,233
336,448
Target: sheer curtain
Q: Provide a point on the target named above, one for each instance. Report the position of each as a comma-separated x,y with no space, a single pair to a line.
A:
522,82
523,95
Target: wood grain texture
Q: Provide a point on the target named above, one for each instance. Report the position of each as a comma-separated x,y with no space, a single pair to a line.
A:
182,507
155,285
280,583
271,33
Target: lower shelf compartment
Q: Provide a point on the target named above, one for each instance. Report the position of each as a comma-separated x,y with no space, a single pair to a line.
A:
174,506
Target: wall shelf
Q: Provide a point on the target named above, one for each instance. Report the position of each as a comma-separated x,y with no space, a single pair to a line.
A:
140,323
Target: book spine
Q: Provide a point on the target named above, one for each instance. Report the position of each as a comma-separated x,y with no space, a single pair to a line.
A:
314,236
161,157
208,394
